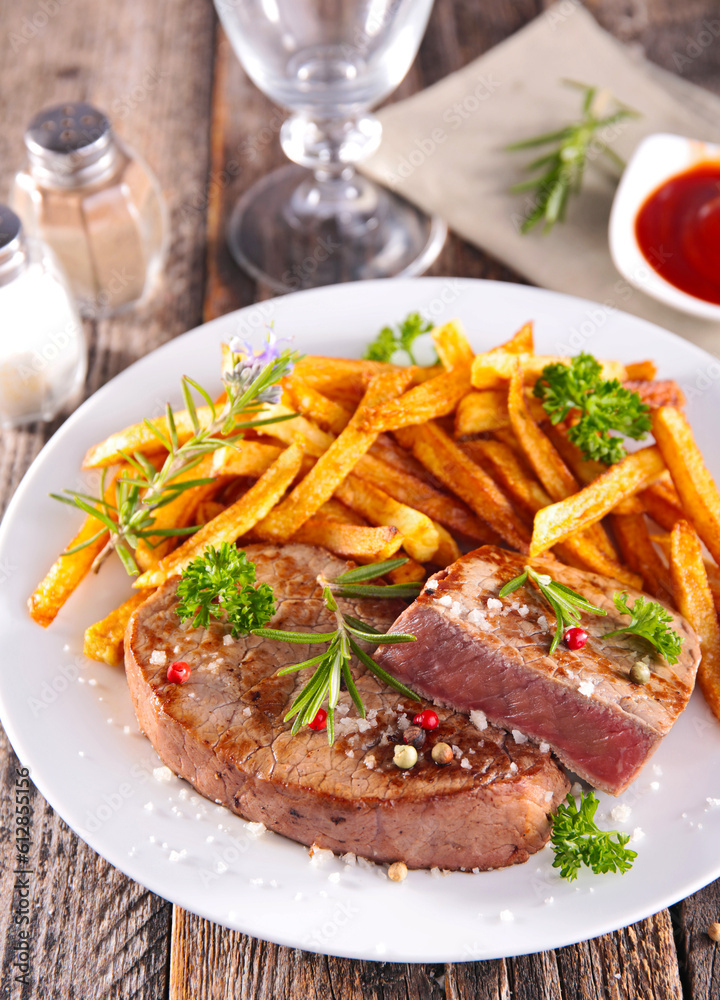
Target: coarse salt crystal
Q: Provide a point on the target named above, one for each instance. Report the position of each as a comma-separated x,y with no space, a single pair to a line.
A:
465,763
513,767
247,712
228,640
478,718
158,657
349,753
403,722
256,830
544,747
435,873
506,915
334,877
319,855
657,769
493,604
478,618
432,585
445,600
370,762
637,834
620,813
518,736
548,796
712,802
542,621
457,608
654,785
587,688
457,751
162,773
524,611
476,871
349,859
177,855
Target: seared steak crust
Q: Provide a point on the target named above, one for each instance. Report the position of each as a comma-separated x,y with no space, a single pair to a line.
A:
223,731
475,652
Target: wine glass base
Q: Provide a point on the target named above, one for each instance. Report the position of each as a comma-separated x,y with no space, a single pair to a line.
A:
268,241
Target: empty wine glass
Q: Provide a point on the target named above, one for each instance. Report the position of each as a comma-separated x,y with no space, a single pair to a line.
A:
328,62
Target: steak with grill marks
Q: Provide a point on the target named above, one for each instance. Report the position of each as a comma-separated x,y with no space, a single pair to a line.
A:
474,651
223,731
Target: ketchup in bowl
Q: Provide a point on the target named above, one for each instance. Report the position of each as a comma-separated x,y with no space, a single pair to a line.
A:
678,231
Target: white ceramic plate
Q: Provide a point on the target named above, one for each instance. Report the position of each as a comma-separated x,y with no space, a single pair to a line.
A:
71,720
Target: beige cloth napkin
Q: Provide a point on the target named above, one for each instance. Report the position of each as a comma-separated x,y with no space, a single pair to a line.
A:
444,150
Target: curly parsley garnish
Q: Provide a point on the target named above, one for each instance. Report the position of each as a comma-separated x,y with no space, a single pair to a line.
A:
577,840
603,405
333,665
565,602
389,342
221,584
652,622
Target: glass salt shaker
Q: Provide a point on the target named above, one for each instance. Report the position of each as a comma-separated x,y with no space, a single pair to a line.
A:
96,203
43,357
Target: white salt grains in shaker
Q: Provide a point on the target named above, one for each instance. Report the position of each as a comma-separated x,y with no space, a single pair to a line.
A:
96,203
43,355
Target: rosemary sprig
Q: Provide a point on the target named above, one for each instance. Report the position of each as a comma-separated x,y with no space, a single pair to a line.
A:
566,603
563,168
252,382
333,665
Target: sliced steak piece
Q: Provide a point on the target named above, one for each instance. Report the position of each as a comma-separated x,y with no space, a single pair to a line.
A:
476,652
223,731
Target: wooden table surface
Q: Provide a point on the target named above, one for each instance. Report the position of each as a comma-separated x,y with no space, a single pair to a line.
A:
166,75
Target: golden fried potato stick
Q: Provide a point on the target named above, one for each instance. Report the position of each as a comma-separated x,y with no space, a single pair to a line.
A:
139,438
68,571
695,602
452,346
494,369
638,551
693,482
351,541
437,397
544,459
334,464
179,513
104,639
481,411
641,371
581,510
315,440
246,458
510,474
235,520
439,453
421,539
662,504
418,493
522,342
310,403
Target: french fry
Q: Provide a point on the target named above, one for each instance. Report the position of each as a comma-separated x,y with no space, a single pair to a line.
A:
246,458
555,523
335,510
448,550
348,378
522,342
641,371
235,521
657,393
580,550
452,346
334,464
349,540
316,441
439,453
68,571
104,639
139,438
544,459
179,513
695,603
414,492
494,369
638,551
310,403
410,572
662,504
207,510
435,398
481,411
420,536
693,482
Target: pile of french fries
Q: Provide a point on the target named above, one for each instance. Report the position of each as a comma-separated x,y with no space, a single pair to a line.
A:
433,461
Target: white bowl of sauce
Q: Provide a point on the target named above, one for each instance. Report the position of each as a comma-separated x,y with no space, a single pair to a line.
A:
665,223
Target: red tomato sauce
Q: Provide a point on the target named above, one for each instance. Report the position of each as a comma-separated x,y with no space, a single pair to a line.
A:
678,231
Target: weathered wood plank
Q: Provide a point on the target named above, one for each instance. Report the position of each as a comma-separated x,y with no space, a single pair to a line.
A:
699,955
93,932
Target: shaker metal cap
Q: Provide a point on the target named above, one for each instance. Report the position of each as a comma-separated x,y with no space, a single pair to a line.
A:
70,143
12,245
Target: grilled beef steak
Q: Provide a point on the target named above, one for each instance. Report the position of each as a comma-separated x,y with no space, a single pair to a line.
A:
477,652
222,730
